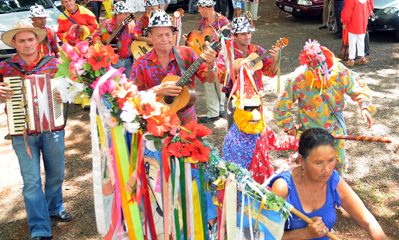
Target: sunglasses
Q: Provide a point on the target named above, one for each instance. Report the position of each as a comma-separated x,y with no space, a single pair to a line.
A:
251,108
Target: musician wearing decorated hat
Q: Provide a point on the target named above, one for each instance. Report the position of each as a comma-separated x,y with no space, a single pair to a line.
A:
39,15
213,94
40,205
164,59
243,47
142,23
118,31
249,141
319,86
76,23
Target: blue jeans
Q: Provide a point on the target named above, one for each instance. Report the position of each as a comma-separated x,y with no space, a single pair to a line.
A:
41,205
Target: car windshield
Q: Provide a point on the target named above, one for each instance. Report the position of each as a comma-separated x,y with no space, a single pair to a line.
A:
8,6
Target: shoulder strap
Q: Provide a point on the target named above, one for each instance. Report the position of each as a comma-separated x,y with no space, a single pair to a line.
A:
18,67
179,60
338,115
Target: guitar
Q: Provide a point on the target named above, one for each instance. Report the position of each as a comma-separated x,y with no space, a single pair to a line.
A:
196,39
107,38
187,96
256,62
139,48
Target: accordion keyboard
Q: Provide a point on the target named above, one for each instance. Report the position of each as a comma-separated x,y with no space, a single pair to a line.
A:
15,106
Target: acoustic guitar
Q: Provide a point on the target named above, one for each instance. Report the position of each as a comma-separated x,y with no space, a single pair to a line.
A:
256,62
139,48
187,95
107,38
196,39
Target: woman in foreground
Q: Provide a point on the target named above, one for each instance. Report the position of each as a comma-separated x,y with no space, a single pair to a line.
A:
316,189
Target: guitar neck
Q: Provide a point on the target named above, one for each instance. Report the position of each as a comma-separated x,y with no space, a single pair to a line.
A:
118,29
186,78
260,58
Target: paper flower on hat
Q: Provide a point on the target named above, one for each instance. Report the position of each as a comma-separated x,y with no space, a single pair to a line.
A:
120,7
242,25
152,3
160,18
206,3
37,11
319,61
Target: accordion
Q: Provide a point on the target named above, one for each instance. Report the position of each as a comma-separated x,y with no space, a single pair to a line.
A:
33,106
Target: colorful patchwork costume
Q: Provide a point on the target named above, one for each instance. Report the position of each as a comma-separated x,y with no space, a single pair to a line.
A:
319,86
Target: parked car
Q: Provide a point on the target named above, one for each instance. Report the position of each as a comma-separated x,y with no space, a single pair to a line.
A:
301,7
175,4
386,17
13,10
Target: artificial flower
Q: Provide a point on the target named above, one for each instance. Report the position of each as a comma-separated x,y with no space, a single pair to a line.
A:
159,125
101,56
194,130
132,127
129,112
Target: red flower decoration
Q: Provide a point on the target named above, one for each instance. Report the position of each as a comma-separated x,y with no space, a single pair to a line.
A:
101,56
193,130
159,125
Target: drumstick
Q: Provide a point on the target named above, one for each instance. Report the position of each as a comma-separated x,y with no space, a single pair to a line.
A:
309,221
362,138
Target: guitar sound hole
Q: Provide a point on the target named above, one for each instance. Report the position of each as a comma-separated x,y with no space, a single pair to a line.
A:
169,99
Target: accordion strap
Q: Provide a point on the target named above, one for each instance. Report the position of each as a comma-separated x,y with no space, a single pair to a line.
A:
18,67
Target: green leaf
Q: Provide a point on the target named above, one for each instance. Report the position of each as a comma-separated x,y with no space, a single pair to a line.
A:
158,144
97,73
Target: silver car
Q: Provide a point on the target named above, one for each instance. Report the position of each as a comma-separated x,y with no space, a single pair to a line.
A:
13,10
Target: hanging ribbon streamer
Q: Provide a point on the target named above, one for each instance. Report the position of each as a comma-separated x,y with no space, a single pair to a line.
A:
231,207
199,233
183,197
97,170
279,72
202,199
189,200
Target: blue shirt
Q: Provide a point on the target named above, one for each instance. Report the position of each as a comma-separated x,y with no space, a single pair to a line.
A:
326,212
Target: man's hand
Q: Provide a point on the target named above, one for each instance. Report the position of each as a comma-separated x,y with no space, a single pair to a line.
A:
317,229
343,26
209,55
367,117
274,54
57,96
5,92
167,89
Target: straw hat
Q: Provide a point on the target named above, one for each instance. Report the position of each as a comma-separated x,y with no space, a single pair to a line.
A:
22,26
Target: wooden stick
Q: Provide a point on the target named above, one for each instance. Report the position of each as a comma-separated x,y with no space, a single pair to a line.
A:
362,138
309,221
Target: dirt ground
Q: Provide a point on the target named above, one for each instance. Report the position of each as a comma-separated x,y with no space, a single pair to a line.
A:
373,171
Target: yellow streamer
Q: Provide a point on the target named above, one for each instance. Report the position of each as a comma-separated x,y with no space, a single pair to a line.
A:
122,188
198,227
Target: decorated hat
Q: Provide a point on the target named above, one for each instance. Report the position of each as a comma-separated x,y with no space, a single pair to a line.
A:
206,3
160,18
22,26
315,56
120,7
247,91
37,11
242,25
152,3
